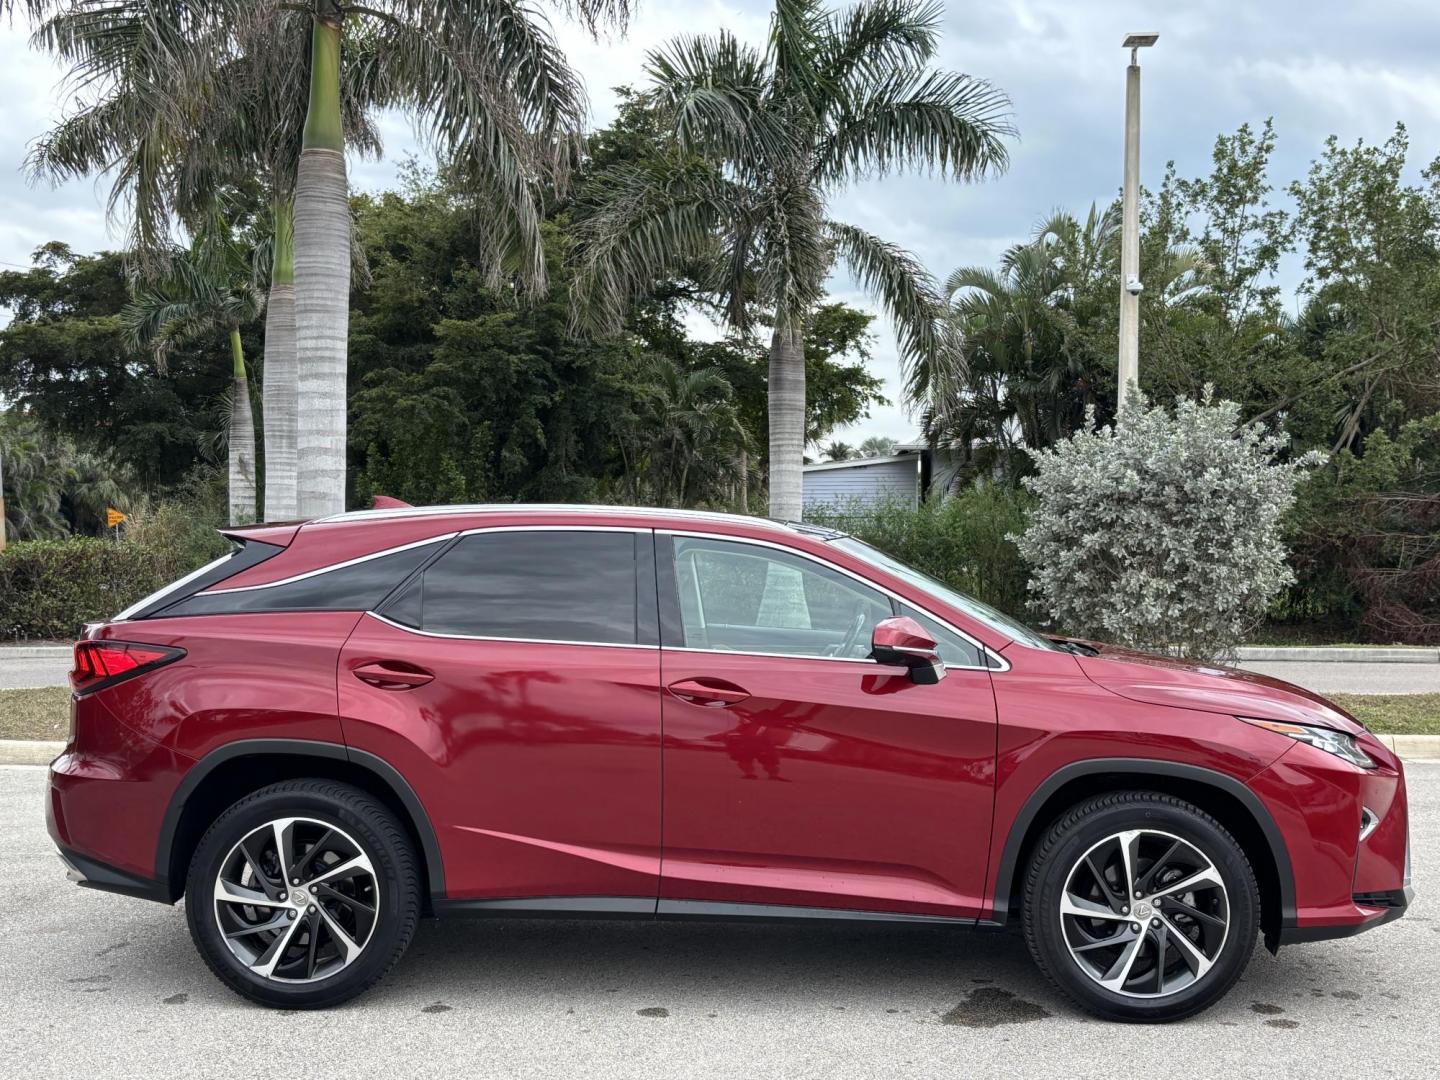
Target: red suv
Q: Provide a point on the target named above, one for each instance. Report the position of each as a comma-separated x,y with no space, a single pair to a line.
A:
510,710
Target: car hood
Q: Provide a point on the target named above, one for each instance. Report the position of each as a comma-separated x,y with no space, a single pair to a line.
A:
1185,684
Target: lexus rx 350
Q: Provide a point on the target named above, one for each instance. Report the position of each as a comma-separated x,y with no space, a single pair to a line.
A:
351,723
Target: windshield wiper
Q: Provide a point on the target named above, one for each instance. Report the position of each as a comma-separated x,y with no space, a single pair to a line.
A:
1077,647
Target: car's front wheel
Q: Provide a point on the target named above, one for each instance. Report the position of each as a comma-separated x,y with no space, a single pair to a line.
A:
303,894
1140,906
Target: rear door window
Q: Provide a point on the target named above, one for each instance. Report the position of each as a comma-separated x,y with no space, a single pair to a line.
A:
544,585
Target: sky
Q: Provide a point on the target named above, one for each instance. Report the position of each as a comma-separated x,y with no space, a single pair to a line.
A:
1318,67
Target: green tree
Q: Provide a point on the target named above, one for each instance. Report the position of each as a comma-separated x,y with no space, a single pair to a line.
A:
1372,245
207,289
757,142
1022,372
51,486
840,451
689,446
65,363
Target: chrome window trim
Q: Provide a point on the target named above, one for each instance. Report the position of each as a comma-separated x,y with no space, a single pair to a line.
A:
174,586
328,569
985,651
509,640
554,528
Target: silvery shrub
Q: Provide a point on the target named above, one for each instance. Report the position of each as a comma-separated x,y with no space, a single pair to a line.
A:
1162,532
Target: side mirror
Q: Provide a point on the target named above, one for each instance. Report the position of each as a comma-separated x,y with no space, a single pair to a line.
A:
903,642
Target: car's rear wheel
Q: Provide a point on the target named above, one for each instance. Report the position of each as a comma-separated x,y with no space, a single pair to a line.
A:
303,894
1140,906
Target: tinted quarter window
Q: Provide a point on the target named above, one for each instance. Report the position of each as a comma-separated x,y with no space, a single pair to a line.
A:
543,585
358,587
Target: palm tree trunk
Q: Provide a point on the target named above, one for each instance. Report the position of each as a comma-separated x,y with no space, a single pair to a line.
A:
322,280
241,439
786,394
280,392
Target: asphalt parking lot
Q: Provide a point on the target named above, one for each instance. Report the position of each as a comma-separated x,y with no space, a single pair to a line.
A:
97,985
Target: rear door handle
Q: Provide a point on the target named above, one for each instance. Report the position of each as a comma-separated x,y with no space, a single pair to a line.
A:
712,693
393,675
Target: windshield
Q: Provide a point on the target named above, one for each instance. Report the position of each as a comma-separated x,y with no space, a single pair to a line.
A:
984,613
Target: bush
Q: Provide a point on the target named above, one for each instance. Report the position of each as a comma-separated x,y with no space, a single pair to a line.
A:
964,540
1163,532
52,588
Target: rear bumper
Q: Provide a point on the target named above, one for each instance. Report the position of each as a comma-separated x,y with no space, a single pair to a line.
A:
90,873
1380,908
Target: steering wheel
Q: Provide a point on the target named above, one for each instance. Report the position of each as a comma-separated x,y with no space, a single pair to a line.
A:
852,636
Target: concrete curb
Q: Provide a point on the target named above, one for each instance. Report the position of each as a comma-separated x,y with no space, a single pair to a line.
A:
1378,654
35,652
29,751
37,752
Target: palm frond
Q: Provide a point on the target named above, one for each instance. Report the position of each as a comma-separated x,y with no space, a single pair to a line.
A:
895,277
872,38
953,124
641,222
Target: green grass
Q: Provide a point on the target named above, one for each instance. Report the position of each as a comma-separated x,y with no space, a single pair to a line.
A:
35,714
45,713
1394,714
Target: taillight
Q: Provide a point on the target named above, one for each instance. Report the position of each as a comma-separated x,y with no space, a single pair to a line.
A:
103,663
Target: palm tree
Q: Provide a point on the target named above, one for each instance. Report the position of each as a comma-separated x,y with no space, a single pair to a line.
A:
45,474
495,95
190,107
485,81
205,289
877,446
1019,373
691,445
759,140
839,451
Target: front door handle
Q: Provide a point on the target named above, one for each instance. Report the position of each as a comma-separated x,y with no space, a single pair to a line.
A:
393,675
712,693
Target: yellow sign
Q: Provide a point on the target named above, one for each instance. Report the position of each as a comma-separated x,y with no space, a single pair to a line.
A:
113,517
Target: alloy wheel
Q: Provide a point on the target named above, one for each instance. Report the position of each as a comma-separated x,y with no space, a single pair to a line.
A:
296,900
1144,913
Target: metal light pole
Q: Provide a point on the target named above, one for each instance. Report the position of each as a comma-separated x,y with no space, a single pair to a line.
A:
1129,368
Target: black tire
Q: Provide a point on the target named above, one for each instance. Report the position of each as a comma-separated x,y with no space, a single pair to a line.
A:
1088,828
393,889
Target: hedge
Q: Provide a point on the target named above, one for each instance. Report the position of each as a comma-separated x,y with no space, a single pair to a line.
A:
963,540
49,589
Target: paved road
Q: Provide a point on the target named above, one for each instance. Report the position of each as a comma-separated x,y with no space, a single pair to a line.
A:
101,985
1355,678
31,671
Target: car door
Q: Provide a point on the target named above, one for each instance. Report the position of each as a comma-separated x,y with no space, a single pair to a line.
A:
796,770
514,682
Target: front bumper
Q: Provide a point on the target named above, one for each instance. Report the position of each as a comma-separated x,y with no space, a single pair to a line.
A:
1388,906
1348,836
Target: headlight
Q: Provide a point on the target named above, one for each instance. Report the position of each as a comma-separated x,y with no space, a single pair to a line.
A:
1332,742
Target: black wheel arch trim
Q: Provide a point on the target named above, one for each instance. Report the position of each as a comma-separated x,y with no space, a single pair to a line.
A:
1141,767
379,767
